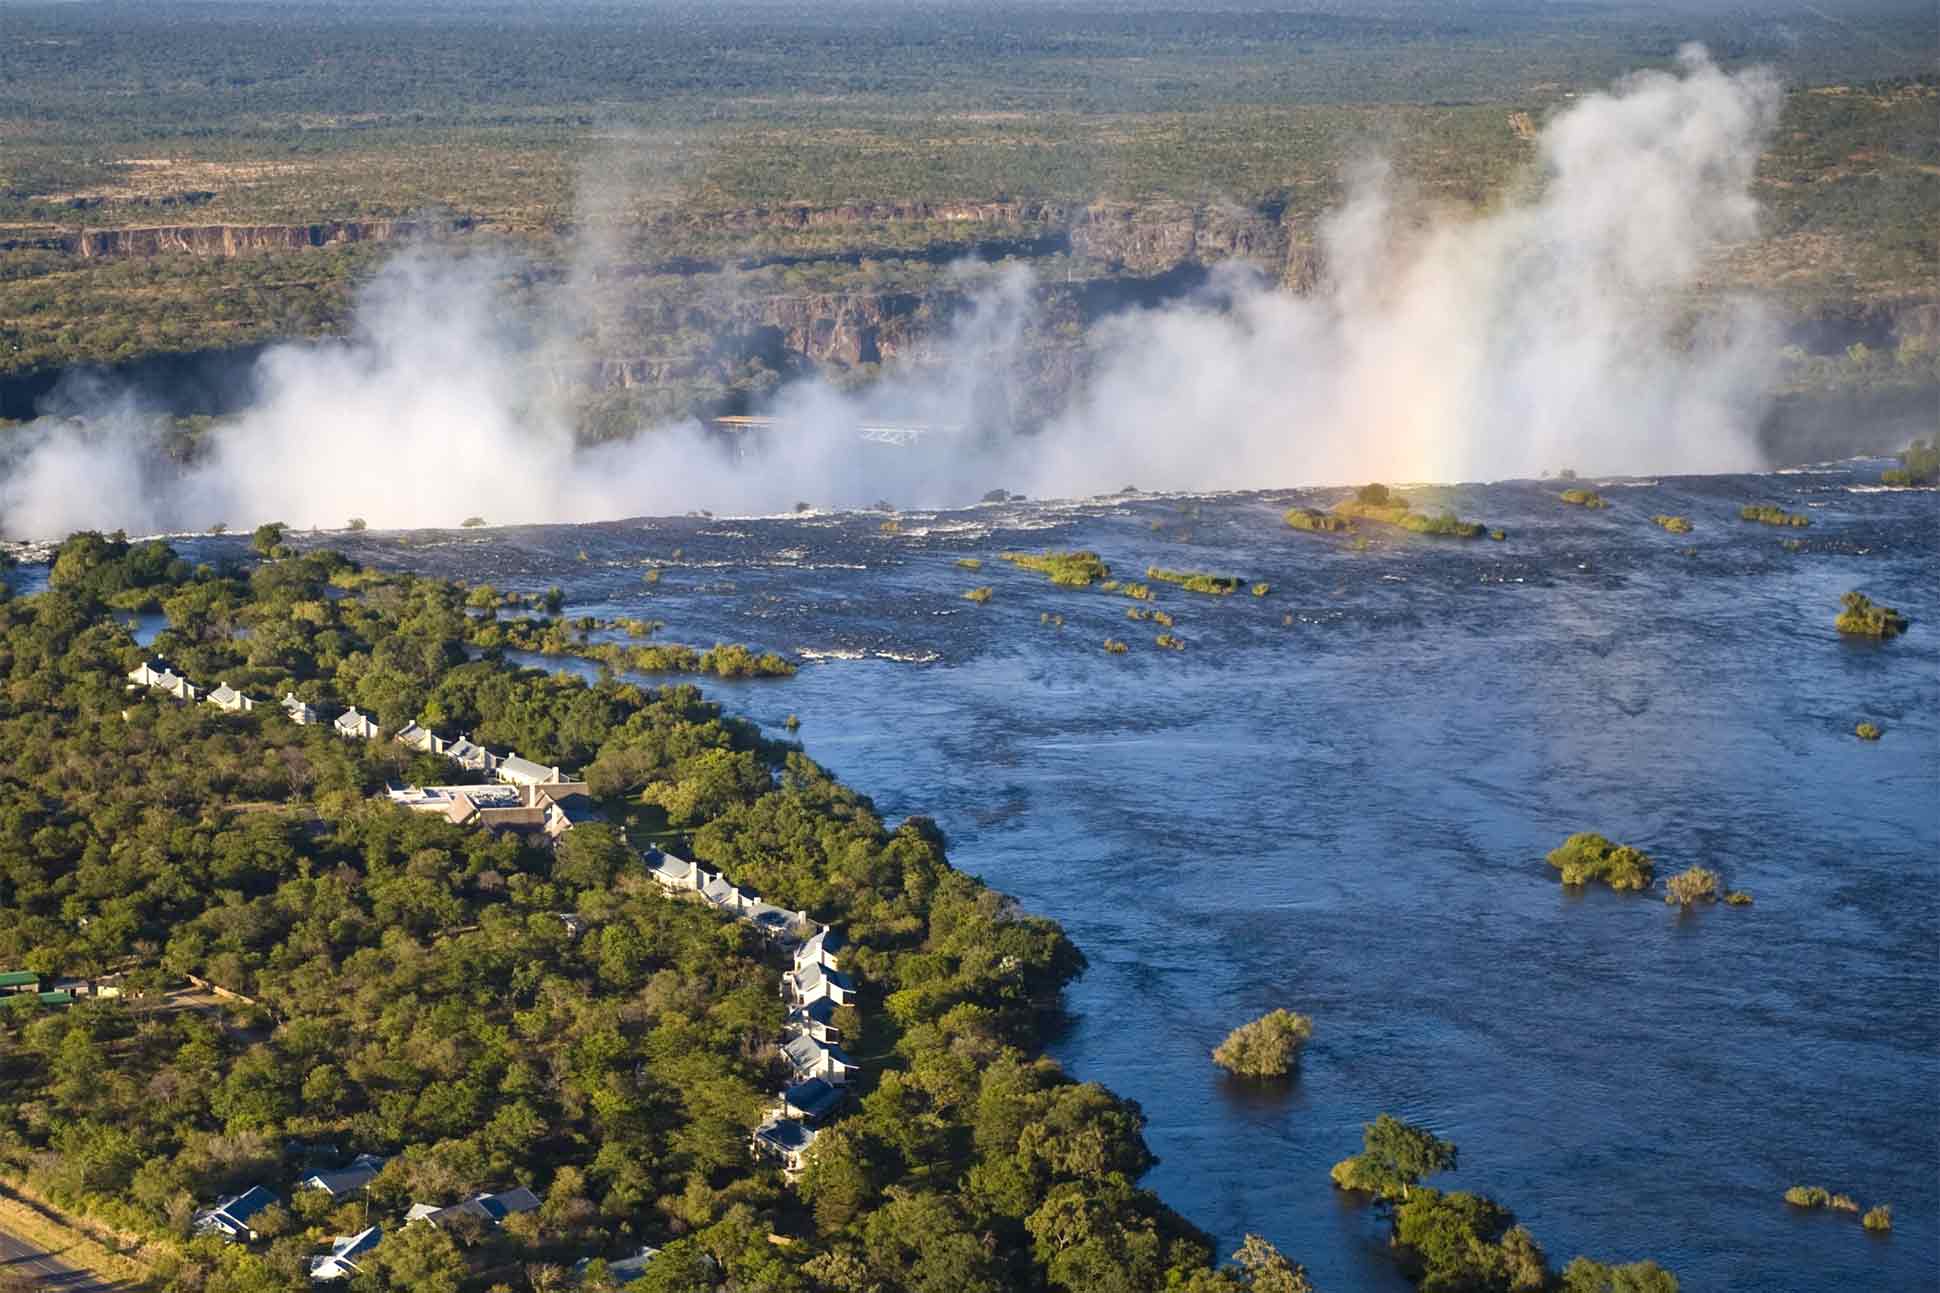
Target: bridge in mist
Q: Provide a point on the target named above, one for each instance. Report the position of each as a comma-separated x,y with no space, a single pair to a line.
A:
901,434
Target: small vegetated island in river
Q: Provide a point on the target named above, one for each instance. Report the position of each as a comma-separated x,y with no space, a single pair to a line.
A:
1317,521
1070,569
448,1012
1195,581
1919,465
1771,514
1383,506
1861,616
1589,858
1459,1240
1584,498
1675,524
1265,1048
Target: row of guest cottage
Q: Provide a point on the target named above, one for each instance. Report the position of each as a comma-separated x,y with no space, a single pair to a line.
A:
538,800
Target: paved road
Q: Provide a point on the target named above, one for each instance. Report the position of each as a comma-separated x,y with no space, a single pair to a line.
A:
22,1260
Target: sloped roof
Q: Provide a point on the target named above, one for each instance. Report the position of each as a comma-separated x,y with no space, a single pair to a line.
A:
814,1099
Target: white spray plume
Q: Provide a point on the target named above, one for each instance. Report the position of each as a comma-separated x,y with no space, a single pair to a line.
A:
1541,334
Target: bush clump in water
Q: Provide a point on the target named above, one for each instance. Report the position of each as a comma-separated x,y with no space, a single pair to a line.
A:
1137,613
1069,569
1878,1218
1697,884
1863,617
978,595
1843,1203
1738,898
970,563
1919,465
1394,1157
1380,504
1587,857
1115,647
1867,731
1316,522
1195,581
1170,643
1261,590
1807,1196
1675,524
1265,1048
1584,498
1767,514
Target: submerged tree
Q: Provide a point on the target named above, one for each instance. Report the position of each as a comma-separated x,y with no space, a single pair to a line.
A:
1395,1156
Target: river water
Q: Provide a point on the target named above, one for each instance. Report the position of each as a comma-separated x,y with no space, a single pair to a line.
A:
1337,799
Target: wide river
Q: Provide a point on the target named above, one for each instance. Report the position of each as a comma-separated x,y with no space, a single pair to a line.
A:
1337,799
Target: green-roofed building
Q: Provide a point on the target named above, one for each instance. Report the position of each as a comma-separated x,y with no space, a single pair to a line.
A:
57,998
19,981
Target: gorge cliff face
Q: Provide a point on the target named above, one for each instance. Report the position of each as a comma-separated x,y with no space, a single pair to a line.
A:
240,240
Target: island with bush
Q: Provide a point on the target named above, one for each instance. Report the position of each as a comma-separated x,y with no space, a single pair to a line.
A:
270,970
1379,504
1068,569
1584,498
1589,858
1458,1240
1195,581
1860,616
1771,514
1919,465
1674,524
1265,1048
1317,522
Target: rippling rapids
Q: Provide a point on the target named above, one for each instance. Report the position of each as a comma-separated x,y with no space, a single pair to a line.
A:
1337,799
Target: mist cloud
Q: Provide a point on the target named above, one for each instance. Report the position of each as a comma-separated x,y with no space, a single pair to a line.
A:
1548,332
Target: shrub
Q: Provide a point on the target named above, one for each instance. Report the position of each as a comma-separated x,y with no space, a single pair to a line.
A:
1070,569
891,527
1498,535
1919,465
1137,592
1307,518
970,563
1265,1048
1376,495
978,595
1863,617
1115,647
1169,642
1584,498
1675,524
1587,857
471,522
1843,1203
1446,524
1806,1196
1868,731
1697,884
1738,898
1878,1218
1261,590
357,524
1195,581
1162,618
1767,514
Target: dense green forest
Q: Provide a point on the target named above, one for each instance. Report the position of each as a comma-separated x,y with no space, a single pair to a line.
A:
414,991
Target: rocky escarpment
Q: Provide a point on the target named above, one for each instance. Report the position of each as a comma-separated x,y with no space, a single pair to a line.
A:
1122,237
236,239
